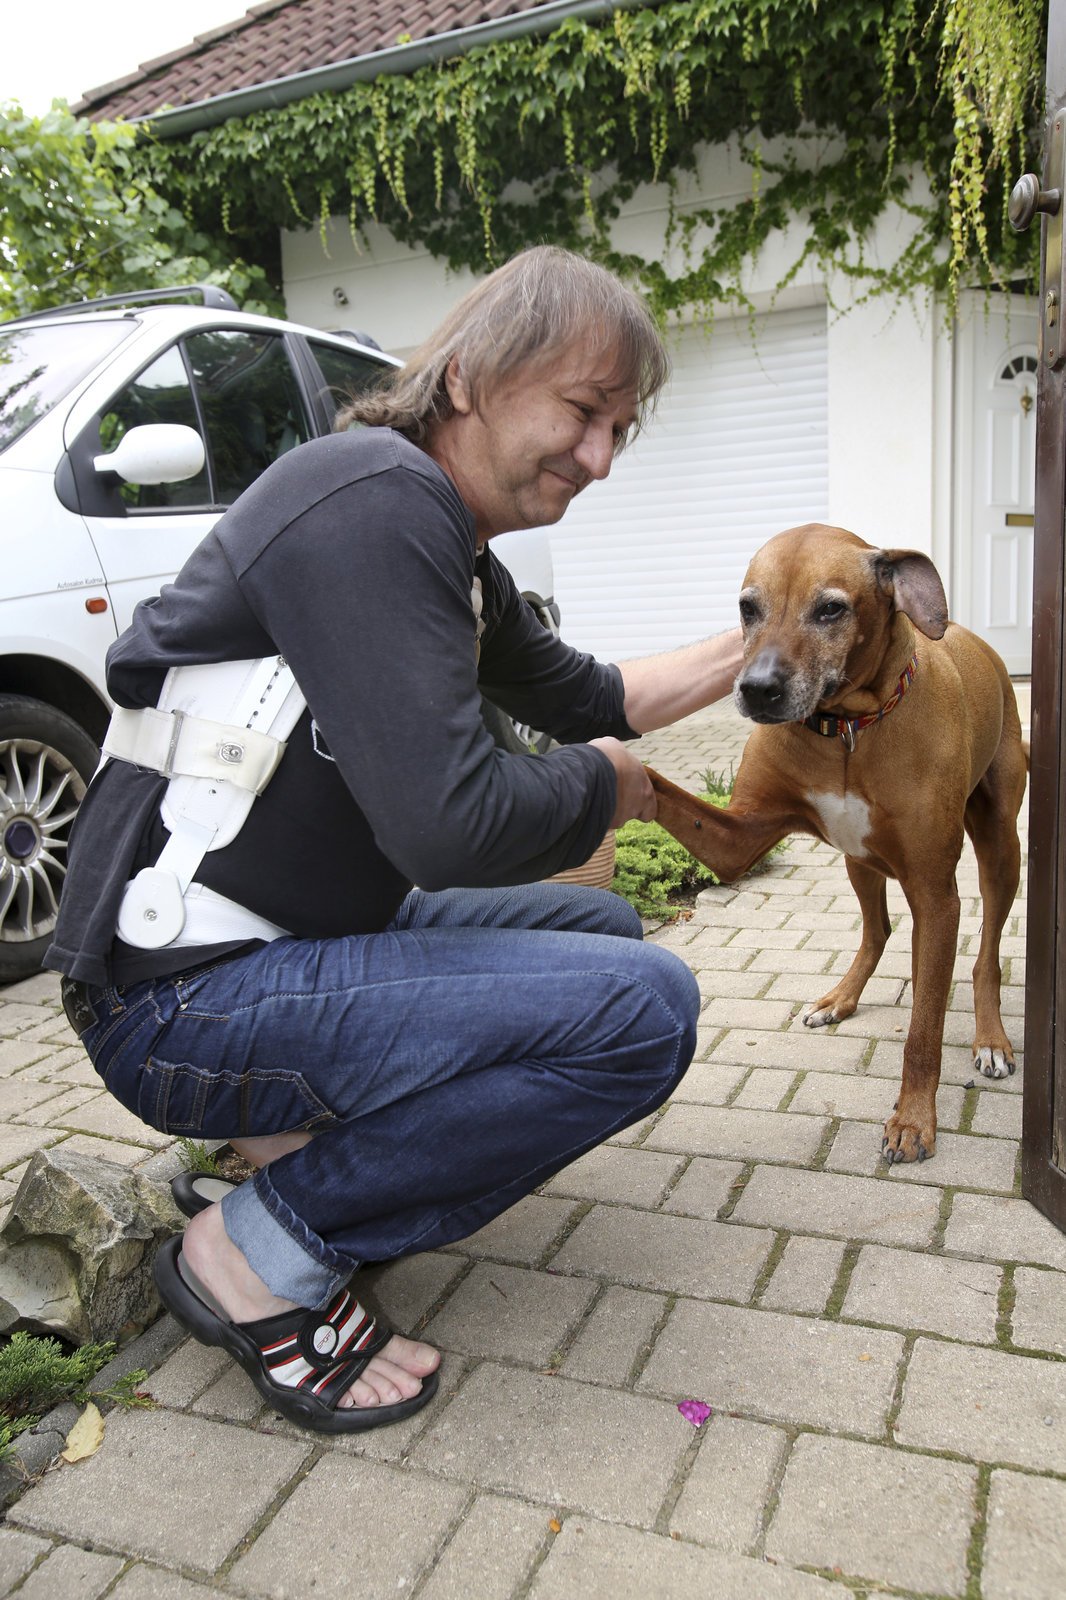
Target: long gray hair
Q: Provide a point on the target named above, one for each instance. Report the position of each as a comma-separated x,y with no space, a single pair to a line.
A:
524,313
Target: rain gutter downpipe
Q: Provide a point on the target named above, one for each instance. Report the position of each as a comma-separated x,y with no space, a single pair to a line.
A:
402,58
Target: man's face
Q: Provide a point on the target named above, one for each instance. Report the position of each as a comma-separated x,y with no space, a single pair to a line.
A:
535,440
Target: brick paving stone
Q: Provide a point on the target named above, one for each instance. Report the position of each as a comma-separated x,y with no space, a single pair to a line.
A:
810,1049
726,958
965,1162
709,1084
152,1583
619,1332
679,1255
18,1552
1025,1552
16,1144
15,1018
590,1561
388,1445
838,1094
601,1451
42,989
769,938
716,982
787,962
106,1117
1038,1321
758,1014
19,1095
16,1054
916,1539
367,1505
73,1574
119,1155
704,1187
938,1294
63,1107
629,1177
134,1495
510,1313
999,1115
523,1233
186,1373
801,987
232,1396
781,1368
829,1203
728,1484
956,1066
804,1277
491,1551
765,1088
985,1404
745,1135
408,1289
998,1229
633,1135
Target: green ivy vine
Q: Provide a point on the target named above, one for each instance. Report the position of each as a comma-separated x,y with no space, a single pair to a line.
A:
837,104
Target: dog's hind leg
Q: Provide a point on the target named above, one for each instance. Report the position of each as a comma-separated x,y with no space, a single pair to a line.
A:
872,893
990,821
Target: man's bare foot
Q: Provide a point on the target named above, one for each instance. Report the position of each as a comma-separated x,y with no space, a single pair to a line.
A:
394,1374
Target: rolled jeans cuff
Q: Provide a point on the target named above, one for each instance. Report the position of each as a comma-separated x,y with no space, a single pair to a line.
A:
287,1269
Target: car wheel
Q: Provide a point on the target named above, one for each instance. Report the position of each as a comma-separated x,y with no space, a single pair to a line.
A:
46,761
514,736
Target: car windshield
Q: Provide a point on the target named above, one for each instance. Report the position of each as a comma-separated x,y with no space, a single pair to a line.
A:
40,363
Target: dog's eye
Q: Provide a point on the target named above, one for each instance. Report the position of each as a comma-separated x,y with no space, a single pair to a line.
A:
830,611
748,612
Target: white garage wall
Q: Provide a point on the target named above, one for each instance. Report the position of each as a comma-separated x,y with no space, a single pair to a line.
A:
738,450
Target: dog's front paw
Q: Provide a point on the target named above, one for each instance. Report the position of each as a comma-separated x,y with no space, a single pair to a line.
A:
908,1137
832,1007
993,1063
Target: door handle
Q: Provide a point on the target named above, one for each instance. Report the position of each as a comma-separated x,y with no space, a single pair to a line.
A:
1027,200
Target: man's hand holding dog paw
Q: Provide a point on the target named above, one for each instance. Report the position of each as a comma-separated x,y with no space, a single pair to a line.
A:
635,796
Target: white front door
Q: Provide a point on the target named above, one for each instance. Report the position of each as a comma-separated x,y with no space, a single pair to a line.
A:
996,410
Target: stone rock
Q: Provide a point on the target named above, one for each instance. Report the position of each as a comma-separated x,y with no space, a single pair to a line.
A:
77,1248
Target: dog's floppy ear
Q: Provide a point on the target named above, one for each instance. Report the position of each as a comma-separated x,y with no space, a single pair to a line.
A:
912,582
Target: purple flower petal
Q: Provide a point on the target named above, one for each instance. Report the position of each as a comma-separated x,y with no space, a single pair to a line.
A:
694,1411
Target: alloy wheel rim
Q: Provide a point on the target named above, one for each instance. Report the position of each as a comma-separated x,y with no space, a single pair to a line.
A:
40,791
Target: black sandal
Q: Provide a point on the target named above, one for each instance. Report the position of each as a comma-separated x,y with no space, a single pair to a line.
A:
301,1361
194,1191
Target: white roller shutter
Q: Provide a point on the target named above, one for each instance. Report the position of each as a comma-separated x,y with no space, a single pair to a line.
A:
737,451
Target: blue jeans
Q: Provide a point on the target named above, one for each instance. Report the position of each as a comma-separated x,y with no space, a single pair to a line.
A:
447,1066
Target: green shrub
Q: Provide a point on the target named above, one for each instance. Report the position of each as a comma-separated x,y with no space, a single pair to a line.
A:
37,1373
196,1157
651,866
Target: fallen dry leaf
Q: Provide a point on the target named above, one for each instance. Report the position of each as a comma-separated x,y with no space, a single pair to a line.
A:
86,1436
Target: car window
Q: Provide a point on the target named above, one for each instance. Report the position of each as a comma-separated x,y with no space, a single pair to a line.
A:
161,393
251,404
40,364
346,373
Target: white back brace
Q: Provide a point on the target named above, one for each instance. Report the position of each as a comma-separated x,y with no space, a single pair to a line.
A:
218,734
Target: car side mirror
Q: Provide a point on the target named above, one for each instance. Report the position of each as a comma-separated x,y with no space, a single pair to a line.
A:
156,452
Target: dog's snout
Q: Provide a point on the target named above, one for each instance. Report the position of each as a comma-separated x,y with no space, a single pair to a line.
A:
762,688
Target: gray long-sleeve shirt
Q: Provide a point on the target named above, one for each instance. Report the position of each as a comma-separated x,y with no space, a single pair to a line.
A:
353,557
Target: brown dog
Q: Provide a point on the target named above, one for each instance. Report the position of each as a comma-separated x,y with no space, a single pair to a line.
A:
886,744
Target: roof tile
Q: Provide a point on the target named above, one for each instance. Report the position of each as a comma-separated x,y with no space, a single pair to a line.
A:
279,38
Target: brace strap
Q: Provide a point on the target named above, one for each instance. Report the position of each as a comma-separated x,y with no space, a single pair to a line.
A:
178,745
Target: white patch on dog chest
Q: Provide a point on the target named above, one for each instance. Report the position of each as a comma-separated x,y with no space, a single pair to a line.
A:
845,821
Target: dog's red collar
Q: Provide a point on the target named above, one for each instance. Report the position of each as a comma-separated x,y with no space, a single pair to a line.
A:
848,727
